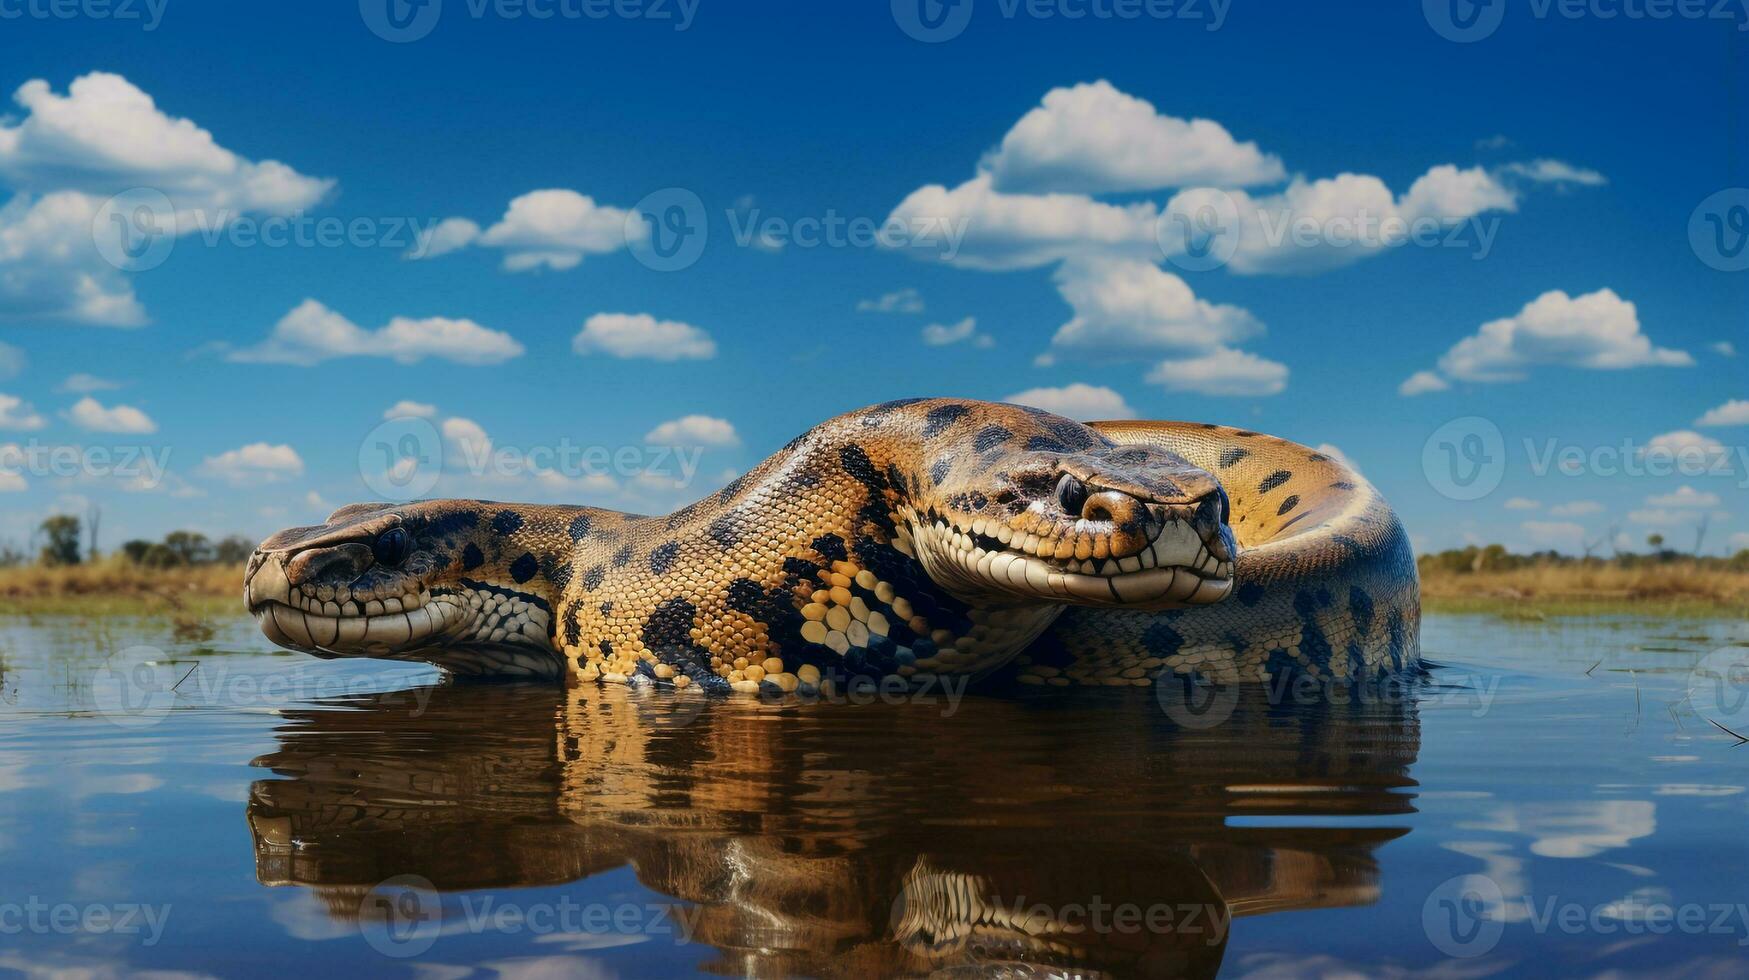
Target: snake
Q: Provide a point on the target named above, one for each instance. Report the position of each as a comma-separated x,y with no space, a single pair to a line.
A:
909,544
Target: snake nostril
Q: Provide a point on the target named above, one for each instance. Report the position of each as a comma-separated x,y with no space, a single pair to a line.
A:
1096,511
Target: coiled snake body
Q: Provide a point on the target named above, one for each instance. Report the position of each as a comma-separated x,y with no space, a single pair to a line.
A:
900,544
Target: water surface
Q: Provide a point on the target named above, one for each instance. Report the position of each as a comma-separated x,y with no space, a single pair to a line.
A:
1551,797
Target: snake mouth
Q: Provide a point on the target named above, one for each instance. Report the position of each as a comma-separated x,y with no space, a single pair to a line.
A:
330,622
1188,561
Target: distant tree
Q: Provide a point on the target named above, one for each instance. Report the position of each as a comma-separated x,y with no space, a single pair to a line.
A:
234,550
136,549
1656,541
161,556
60,535
191,547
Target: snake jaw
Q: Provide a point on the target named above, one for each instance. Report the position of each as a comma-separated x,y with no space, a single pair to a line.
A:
1180,564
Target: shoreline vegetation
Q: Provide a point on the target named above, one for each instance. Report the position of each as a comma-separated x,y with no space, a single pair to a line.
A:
1483,580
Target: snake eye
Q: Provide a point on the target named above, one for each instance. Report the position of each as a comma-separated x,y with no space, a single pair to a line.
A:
1072,494
390,547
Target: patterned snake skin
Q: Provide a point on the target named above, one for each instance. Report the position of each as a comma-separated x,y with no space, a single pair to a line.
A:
909,544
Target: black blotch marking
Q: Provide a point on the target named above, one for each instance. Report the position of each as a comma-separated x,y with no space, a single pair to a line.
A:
896,478
861,468
1290,522
1313,643
580,526
1360,607
938,470
1233,455
725,531
885,407
592,578
506,522
1342,485
471,557
573,629
1250,593
1244,433
606,648
1161,640
558,573
942,416
745,595
606,608
831,547
622,557
1290,503
668,631
989,437
1046,444
662,557
1274,480
451,523
1318,458
524,568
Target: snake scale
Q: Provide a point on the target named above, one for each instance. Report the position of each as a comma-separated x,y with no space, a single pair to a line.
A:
902,544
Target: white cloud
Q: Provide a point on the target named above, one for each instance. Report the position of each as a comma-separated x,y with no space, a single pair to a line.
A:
1733,412
1723,348
693,430
1684,447
553,228
1576,508
1316,225
1555,172
103,137
448,235
1661,517
15,413
312,333
642,335
1223,371
1522,503
11,361
405,409
906,300
1555,534
1020,231
1684,496
1599,330
85,384
1092,138
941,335
254,464
1129,306
106,136
88,413
1077,401
466,443
1422,382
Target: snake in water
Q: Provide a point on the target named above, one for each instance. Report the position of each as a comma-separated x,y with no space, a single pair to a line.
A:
905,543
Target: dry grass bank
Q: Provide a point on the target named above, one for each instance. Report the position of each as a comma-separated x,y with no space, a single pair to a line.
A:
116,585
1680,586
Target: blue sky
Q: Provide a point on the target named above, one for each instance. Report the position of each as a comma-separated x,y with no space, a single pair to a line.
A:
1028,164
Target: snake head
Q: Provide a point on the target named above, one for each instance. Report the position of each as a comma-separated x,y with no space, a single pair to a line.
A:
403,582
1101,525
